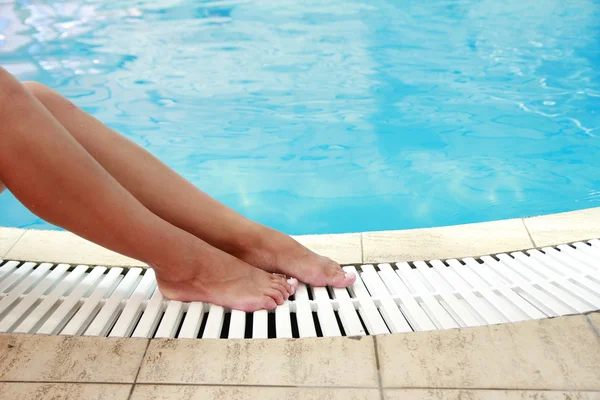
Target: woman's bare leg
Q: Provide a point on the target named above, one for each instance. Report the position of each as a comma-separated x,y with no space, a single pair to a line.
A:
58,180
174,199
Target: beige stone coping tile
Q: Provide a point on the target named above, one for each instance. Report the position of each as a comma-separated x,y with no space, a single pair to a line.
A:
446,242
561,353
63,391
69,359
458,394
172,392
65,247
343,248
278,362
8,238
553,229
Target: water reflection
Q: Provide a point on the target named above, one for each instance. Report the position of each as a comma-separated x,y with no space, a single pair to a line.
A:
341,115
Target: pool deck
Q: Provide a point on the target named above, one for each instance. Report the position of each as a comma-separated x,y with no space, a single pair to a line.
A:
555,358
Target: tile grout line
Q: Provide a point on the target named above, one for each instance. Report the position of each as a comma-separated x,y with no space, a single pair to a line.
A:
234,385
592,326
362,249
14,244
309,386
139,369
528,233
378,366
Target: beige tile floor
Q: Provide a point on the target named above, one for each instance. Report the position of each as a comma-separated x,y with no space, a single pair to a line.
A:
548,359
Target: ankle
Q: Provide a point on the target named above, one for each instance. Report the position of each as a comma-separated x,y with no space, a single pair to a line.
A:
248,241
179,261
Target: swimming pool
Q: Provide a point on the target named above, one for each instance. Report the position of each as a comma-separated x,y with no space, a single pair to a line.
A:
336,116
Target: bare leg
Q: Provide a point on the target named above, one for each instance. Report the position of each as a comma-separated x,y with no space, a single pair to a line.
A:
174,199
58,180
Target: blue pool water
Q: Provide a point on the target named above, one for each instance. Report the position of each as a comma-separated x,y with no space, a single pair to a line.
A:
340,115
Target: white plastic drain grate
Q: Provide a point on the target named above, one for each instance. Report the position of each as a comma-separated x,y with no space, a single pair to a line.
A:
117,302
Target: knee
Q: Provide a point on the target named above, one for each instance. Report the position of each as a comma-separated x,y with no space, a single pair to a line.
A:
39,90
50,98
11,90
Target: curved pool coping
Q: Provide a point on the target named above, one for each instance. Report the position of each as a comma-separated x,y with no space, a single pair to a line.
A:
447,242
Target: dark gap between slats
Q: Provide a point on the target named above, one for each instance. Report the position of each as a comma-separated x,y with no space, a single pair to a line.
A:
70,269
339,322
294,322
317,324
330,292
384,321
135,325
249,320
153,332
24,316
271,332
112,325
412,328
203,325
9,309
75,310
310,292
90,288
362,323
180,324
41,321
226,323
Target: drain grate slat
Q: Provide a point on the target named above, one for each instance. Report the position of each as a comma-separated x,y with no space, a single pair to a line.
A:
260,324
386,298
192,321
237,325
283,322
306,326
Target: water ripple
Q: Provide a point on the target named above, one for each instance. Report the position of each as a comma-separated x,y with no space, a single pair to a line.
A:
336,116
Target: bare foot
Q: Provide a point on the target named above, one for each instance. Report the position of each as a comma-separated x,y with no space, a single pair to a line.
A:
212,276
277,252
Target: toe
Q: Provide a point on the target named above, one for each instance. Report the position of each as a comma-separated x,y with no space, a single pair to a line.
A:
293,282
268,303
276,294
343,279
285,284
285,290
338,277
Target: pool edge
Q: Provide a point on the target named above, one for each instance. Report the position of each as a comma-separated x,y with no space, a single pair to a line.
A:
457,241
